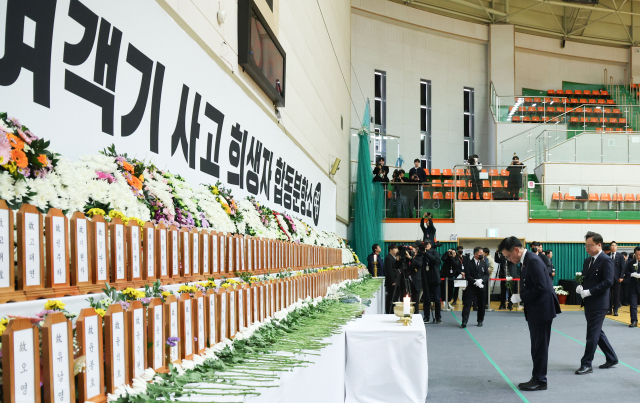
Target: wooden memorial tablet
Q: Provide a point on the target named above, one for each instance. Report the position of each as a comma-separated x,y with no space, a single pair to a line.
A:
231,254
56,229
161,237
118,255
246,303
262,294
231,312
205,253
173,258
31,253
271,298
222,253
186,326
136,339
194,250
80,259
134,257
89,338
212,321
267,298
248,249
254,303
20,362
199,323
155,336
185,256
279,295
171,313
7,283
115,348
215,254
149,253
242,246
57,359
98,256
223,328
240,312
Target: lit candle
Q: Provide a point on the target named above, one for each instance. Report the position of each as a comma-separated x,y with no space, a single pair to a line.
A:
406,305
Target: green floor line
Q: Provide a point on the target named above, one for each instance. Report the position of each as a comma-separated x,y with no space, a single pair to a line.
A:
599,352
504,376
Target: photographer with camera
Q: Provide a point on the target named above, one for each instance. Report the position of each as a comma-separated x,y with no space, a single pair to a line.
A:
477,275
401,190
417,175
431,282
451,269
391,276
428,232
403,270
381,171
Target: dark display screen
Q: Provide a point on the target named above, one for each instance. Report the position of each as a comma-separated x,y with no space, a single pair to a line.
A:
266,55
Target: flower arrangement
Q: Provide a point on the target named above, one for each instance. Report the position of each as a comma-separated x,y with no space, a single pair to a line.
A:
559,290
230,282
579,277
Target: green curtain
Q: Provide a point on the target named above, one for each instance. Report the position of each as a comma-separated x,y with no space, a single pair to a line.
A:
369,198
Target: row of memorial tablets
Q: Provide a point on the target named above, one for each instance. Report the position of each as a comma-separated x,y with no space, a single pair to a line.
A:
135,339
58,256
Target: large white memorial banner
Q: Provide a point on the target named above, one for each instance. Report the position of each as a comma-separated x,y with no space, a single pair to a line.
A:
124,72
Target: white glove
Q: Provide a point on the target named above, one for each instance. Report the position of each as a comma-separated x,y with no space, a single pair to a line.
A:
585,294
515,298
478,283
579,289
636,275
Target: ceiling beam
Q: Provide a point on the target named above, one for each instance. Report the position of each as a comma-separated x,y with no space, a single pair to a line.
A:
593,8
478,7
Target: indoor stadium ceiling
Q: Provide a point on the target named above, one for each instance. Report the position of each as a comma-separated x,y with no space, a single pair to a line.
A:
609,22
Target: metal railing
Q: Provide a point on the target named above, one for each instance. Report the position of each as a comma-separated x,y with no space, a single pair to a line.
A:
584,201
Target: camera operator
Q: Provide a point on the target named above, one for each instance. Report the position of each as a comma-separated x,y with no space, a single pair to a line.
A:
431,282
416,175
514,181
403,269
428,232
452,268
401,191
381,171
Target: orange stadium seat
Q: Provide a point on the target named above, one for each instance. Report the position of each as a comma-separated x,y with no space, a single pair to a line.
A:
567,197
426,195
449,196
577,92
435,172
516,119
593,197
629,197
448,183
426,171
437,195
586,92
487,196
436,183
617,197
460,172
463,196
486,184
504,172
447,172
605,197
496,184
494,172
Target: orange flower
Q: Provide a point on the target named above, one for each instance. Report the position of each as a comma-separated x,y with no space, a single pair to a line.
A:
42,159
127,166
20,158
135,182
141,178
15,141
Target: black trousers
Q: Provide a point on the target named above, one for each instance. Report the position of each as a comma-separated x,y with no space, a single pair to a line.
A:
633,303
473,293
540,335
596,337
388,301
616,288
503,292
447,284
431,293
624,295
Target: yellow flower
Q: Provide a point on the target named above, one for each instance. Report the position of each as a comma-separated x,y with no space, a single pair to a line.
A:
139,221
128,291
214,190
165,294
52,305
100,312
187,289
95,211
11,166
225,285
3,325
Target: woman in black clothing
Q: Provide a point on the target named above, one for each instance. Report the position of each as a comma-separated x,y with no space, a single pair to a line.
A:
428,232
381,172
515,177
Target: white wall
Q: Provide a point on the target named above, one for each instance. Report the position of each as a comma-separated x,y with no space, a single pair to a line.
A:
316,93
410,45
541,64
510,218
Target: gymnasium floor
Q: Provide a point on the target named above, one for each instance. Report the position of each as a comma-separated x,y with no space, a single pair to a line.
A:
485,364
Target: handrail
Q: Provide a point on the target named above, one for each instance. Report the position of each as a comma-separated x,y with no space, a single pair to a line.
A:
564,115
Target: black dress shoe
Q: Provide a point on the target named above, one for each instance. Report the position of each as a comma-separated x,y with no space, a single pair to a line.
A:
502,307
584,370
531,382
438,322
615,314
609,313
608,364
463,325
533,386
624,304
479,324
633,324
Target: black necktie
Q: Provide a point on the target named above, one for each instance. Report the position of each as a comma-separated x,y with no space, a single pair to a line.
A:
593,259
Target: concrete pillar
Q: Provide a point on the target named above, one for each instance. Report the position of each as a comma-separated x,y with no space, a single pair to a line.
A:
502,58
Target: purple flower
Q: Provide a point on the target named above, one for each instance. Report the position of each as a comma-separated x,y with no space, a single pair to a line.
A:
171,341
106,176
15,122
45,312
25,171
124,304
145,300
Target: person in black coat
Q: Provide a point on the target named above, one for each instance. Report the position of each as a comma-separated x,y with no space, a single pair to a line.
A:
428,231
381,172
476,273
390,275
536,247
507,269
431,283
540,307
552,268
415,270
514,181
632,275
451,269
375,257
619,264
418,171
597,272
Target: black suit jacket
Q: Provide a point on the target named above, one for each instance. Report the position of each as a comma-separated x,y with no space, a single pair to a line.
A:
422,176
473,273
598,280
633,282
540,300
370,260
618,266
428,231
451,266
431,268
390,271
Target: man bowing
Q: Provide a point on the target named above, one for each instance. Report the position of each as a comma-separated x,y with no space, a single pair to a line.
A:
540,307
597,271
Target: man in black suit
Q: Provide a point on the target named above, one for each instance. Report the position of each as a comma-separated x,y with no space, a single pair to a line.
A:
391,275
451,268
597,271
633,277
375,257
552,268
540,307
419,171
618,277
536,247
431,283
477,275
